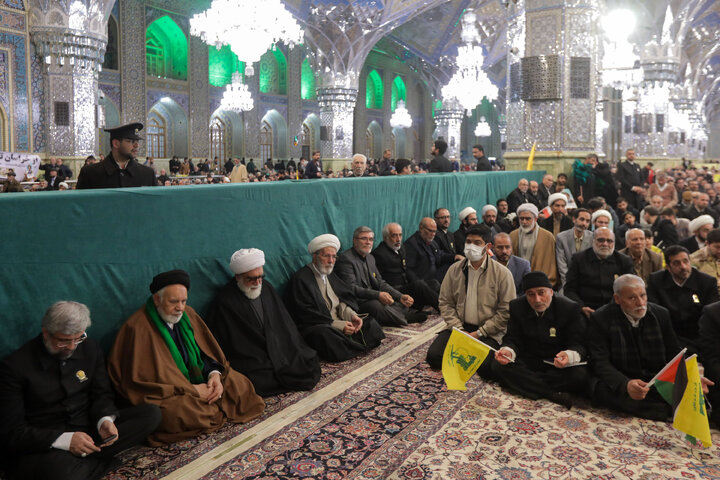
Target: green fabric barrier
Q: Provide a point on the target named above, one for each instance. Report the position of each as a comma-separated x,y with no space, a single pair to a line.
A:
103,247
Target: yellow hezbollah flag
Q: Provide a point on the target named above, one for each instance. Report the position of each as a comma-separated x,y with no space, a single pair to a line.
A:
463,355
690,414
531,158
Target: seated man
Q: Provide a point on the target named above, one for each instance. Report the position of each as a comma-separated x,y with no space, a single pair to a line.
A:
165,355
707,259
573,241
592,272
542,328
256,333
709,339
424,257
630,341
444,239
324,307
684,291
533,243
475,296
699,228
644,260
558,221
519,267
390,259
467,217
356,267
54,422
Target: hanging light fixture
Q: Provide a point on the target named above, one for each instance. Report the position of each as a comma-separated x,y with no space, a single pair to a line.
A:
469,85
483,128
249,33
237,97
401,118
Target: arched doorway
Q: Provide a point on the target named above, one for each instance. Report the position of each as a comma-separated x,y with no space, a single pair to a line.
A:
373,140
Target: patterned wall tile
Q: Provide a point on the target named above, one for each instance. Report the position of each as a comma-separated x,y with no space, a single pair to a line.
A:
37,85
12,21
199,106
112,92
16,4
132,64
154,96
15,44
544,33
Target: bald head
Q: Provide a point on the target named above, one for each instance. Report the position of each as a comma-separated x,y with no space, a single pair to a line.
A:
427,229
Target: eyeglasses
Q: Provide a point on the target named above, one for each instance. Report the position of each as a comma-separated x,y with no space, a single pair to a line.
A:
64,343
604,240
443,217
254,279
327,256
366,239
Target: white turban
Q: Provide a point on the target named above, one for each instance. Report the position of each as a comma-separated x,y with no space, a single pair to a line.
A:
246,259
601,213
322,241
555,197
487,208
465,212
700,222
528,207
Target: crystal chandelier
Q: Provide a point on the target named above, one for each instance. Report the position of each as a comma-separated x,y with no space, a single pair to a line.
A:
483,128
237,97
401,118
470,83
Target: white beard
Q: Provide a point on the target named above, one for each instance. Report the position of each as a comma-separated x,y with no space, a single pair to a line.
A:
324,270
250,292
527,230
171,319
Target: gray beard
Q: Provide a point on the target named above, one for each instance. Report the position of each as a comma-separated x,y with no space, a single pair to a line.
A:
250,292
172,319
528,230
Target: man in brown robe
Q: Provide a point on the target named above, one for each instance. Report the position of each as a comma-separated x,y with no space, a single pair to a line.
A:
165,355
534,244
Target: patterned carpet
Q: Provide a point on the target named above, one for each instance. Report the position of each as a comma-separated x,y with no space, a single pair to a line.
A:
401,423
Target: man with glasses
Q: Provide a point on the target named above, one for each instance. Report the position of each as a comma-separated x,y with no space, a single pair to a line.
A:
58,417
256,332
325,308
119,169
592,272
443,237
424,257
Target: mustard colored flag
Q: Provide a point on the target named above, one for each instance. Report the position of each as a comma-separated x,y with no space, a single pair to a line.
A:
463,355
531,157
691,416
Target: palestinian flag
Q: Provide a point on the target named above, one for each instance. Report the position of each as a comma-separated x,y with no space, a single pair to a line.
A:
665,380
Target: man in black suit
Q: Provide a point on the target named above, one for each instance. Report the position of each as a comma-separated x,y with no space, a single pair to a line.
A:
356,267
483,164
386,165
54,179
58,418
630,340
684,291
699,207
631,182
542,328
424,257
444,239
120,169
664,232
710,354
519,196
314,167
439,164
390,260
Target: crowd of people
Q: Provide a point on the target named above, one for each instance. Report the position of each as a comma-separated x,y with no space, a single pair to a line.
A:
540,276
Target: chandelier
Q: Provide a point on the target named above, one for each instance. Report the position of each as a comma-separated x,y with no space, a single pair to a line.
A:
237,97
401,118
483,128
470,83
249,30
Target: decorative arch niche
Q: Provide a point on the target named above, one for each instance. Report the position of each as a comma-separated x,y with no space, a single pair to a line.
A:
373,90
166,49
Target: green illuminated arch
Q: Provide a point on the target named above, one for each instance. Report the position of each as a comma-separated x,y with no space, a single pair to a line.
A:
373,90
222,64
273,72
166,49
307,81
398,93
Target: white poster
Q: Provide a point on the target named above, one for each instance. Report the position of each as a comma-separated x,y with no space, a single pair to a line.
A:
23,164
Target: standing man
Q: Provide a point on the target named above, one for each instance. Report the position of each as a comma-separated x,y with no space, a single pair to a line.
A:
533,243
439,163
570,242
239,172
120,168
444,239
314,168
631,182
386,168
58,418
483,164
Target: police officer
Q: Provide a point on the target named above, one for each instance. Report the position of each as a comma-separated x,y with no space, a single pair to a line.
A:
119,169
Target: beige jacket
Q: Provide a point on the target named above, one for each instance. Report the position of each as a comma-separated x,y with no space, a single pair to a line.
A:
496,289
706,263
239,174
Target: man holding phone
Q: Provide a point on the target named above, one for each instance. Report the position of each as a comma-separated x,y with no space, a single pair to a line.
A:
58,418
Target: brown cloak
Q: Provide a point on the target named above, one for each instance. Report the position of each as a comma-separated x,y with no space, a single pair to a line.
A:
143,371
543,257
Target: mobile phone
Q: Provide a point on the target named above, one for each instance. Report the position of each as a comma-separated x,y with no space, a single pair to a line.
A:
107,440
362,316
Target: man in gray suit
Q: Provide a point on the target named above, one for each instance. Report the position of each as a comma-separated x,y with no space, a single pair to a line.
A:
572,241
518,266
356,266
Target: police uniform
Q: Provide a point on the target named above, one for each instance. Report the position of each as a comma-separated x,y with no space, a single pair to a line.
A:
108,174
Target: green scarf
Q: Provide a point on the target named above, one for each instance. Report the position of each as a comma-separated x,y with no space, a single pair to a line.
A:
193,370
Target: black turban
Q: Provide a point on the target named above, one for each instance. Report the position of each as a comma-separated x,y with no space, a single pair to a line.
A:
173,277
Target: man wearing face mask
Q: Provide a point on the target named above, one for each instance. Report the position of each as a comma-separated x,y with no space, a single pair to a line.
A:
533,243
165,355
475,296
630,341
545,336
256,332
592,272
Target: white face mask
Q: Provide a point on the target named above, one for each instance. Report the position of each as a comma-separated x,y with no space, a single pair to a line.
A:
473,252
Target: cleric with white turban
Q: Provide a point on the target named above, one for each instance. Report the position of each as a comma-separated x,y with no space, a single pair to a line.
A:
528,207
322,241
700,222
246,259
465,212
555,197
488,208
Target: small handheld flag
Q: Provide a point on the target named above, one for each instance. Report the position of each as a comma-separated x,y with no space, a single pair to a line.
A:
531,158
463,355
